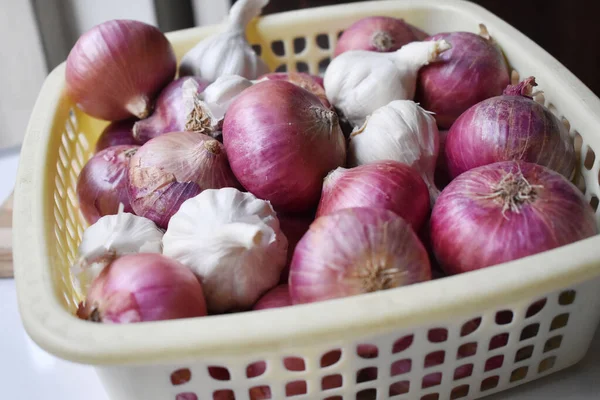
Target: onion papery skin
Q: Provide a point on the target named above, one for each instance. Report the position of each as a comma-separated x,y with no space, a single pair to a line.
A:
117,68
382,184
170,113
115,134
381,34
355,251
102,184
510,127
277,297
312,83
281,143
171,168
473,70
505,211
143,287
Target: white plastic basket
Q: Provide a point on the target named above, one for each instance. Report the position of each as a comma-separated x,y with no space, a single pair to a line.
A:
539,313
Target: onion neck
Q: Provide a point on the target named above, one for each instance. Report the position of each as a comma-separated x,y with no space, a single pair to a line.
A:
326,118
375,275
513,192
382,41
524,88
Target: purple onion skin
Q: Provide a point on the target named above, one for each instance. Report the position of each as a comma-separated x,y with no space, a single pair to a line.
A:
312,83
281,143
509,128
102,183
381,34
115,134
470,230
169,114
473,70
355,251
277,297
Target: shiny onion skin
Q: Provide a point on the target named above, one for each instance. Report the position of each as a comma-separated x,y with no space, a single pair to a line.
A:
143,287
116,133
510,127
277,297
281,142
381,34
355,251
117,68
473,70
505,211
382,184
312,83
102,183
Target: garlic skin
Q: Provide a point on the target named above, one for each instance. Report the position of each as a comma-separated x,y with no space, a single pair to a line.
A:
233,242
113,236
401,131
221,93
227,53
359,82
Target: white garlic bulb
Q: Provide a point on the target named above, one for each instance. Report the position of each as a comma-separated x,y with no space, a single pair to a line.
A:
110,237
401,131
227,53
221,93
232,241
359,82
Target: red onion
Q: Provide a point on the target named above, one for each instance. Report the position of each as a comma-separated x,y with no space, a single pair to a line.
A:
382,34
174,110
143,287
117,68
294,226
442,175
383,184
277,297
281,142
169,169
354,251
102,183
510,127
312,83
115,134
474,69
505,211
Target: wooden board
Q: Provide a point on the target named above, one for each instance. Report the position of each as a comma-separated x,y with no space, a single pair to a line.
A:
6,260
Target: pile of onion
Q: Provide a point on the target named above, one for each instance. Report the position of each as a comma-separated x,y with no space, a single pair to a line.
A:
117,133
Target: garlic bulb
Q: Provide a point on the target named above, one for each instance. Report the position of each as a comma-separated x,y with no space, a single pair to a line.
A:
110,237
233,243
227,53
400,131
359,82
220,94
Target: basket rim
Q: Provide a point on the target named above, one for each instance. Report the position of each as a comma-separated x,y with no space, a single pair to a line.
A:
57,331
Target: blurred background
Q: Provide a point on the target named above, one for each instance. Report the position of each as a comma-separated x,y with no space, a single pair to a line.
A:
38,34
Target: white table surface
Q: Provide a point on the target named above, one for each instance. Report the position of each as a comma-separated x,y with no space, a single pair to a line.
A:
28,373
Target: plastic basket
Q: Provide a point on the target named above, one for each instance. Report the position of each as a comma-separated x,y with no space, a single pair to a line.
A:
528,318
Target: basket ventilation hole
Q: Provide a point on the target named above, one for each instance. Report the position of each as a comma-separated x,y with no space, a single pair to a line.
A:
431,396
431,380
367,351
181,376
256,369
299,45
278,48
281,68
331,357
301,66
400,367
367,394
223,394
498,341
524,353
535,308
466,350
590,158
494,363
186,396
398,388
260,392
294,364
559,321
529,331
323,41
594,203
567,297
553,343
323,64
435,358
366,374
402,344
504,317
459,392
437,335
332,382
219,373
546,364
257,49
296,388
464,371
470,326
490,383
518,374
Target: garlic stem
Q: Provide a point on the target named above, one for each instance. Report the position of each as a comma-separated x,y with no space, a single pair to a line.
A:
243,11
419,54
